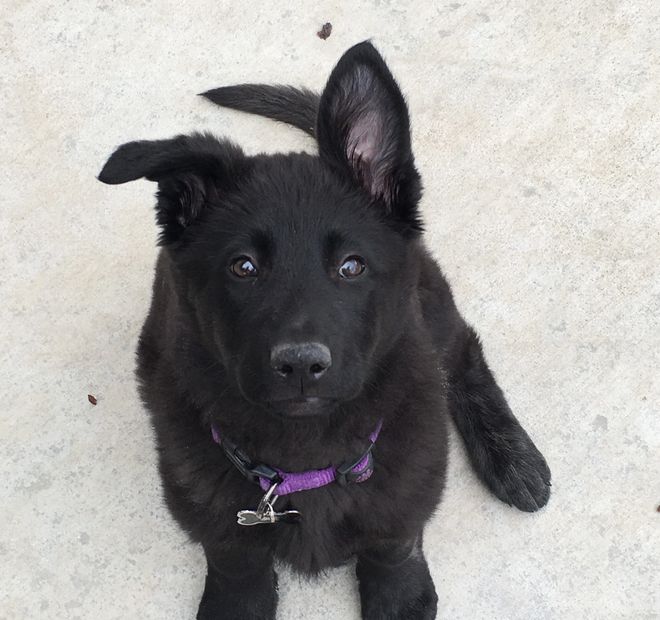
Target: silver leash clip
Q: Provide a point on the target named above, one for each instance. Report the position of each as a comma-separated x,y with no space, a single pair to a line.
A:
266,513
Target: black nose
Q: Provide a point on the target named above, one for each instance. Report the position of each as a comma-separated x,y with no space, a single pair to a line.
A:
308,360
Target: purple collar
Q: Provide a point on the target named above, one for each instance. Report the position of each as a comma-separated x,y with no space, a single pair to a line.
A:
355,471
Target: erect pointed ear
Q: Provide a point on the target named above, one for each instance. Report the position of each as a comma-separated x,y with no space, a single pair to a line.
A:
191,171
363,129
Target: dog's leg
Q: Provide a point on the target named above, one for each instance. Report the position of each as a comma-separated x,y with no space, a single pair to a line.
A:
395,582
500,450
240,585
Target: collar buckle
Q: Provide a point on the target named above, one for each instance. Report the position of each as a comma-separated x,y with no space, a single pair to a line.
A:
347,472
254,472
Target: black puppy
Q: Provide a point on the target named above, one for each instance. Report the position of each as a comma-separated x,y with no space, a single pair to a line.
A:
302,343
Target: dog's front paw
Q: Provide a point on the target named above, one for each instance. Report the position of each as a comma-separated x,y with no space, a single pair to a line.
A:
515,470
403,592
249,599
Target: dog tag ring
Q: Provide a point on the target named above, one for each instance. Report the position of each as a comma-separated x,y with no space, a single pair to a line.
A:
265,512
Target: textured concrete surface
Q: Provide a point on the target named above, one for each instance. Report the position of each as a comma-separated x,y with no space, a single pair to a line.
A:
536,129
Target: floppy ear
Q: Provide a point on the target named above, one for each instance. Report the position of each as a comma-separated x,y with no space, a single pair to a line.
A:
363,130
191,171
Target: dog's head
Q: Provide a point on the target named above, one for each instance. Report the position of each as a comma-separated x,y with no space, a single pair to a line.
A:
298,269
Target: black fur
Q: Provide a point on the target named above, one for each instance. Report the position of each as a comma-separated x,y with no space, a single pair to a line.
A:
401,353
296,106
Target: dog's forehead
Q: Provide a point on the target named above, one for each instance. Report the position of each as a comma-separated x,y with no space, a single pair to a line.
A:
296,177
298,195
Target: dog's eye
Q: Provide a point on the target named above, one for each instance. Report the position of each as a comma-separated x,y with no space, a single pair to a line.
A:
244,267
352,267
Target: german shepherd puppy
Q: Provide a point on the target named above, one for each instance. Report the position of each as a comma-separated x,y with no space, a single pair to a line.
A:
302,343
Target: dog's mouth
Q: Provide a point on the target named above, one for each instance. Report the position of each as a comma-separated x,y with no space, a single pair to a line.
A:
302,406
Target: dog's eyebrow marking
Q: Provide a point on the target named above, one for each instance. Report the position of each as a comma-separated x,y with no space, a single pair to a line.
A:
333,241
263,242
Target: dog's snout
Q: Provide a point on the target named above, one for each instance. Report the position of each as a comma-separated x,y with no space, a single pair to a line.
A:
309,360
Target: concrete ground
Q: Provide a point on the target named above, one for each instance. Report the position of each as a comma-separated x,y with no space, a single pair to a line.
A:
536,129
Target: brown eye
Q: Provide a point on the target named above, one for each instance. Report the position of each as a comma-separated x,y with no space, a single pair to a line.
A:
243,267
352,267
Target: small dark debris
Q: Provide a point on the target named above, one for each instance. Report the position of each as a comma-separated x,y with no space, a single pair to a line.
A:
92,399
658,508
325,32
